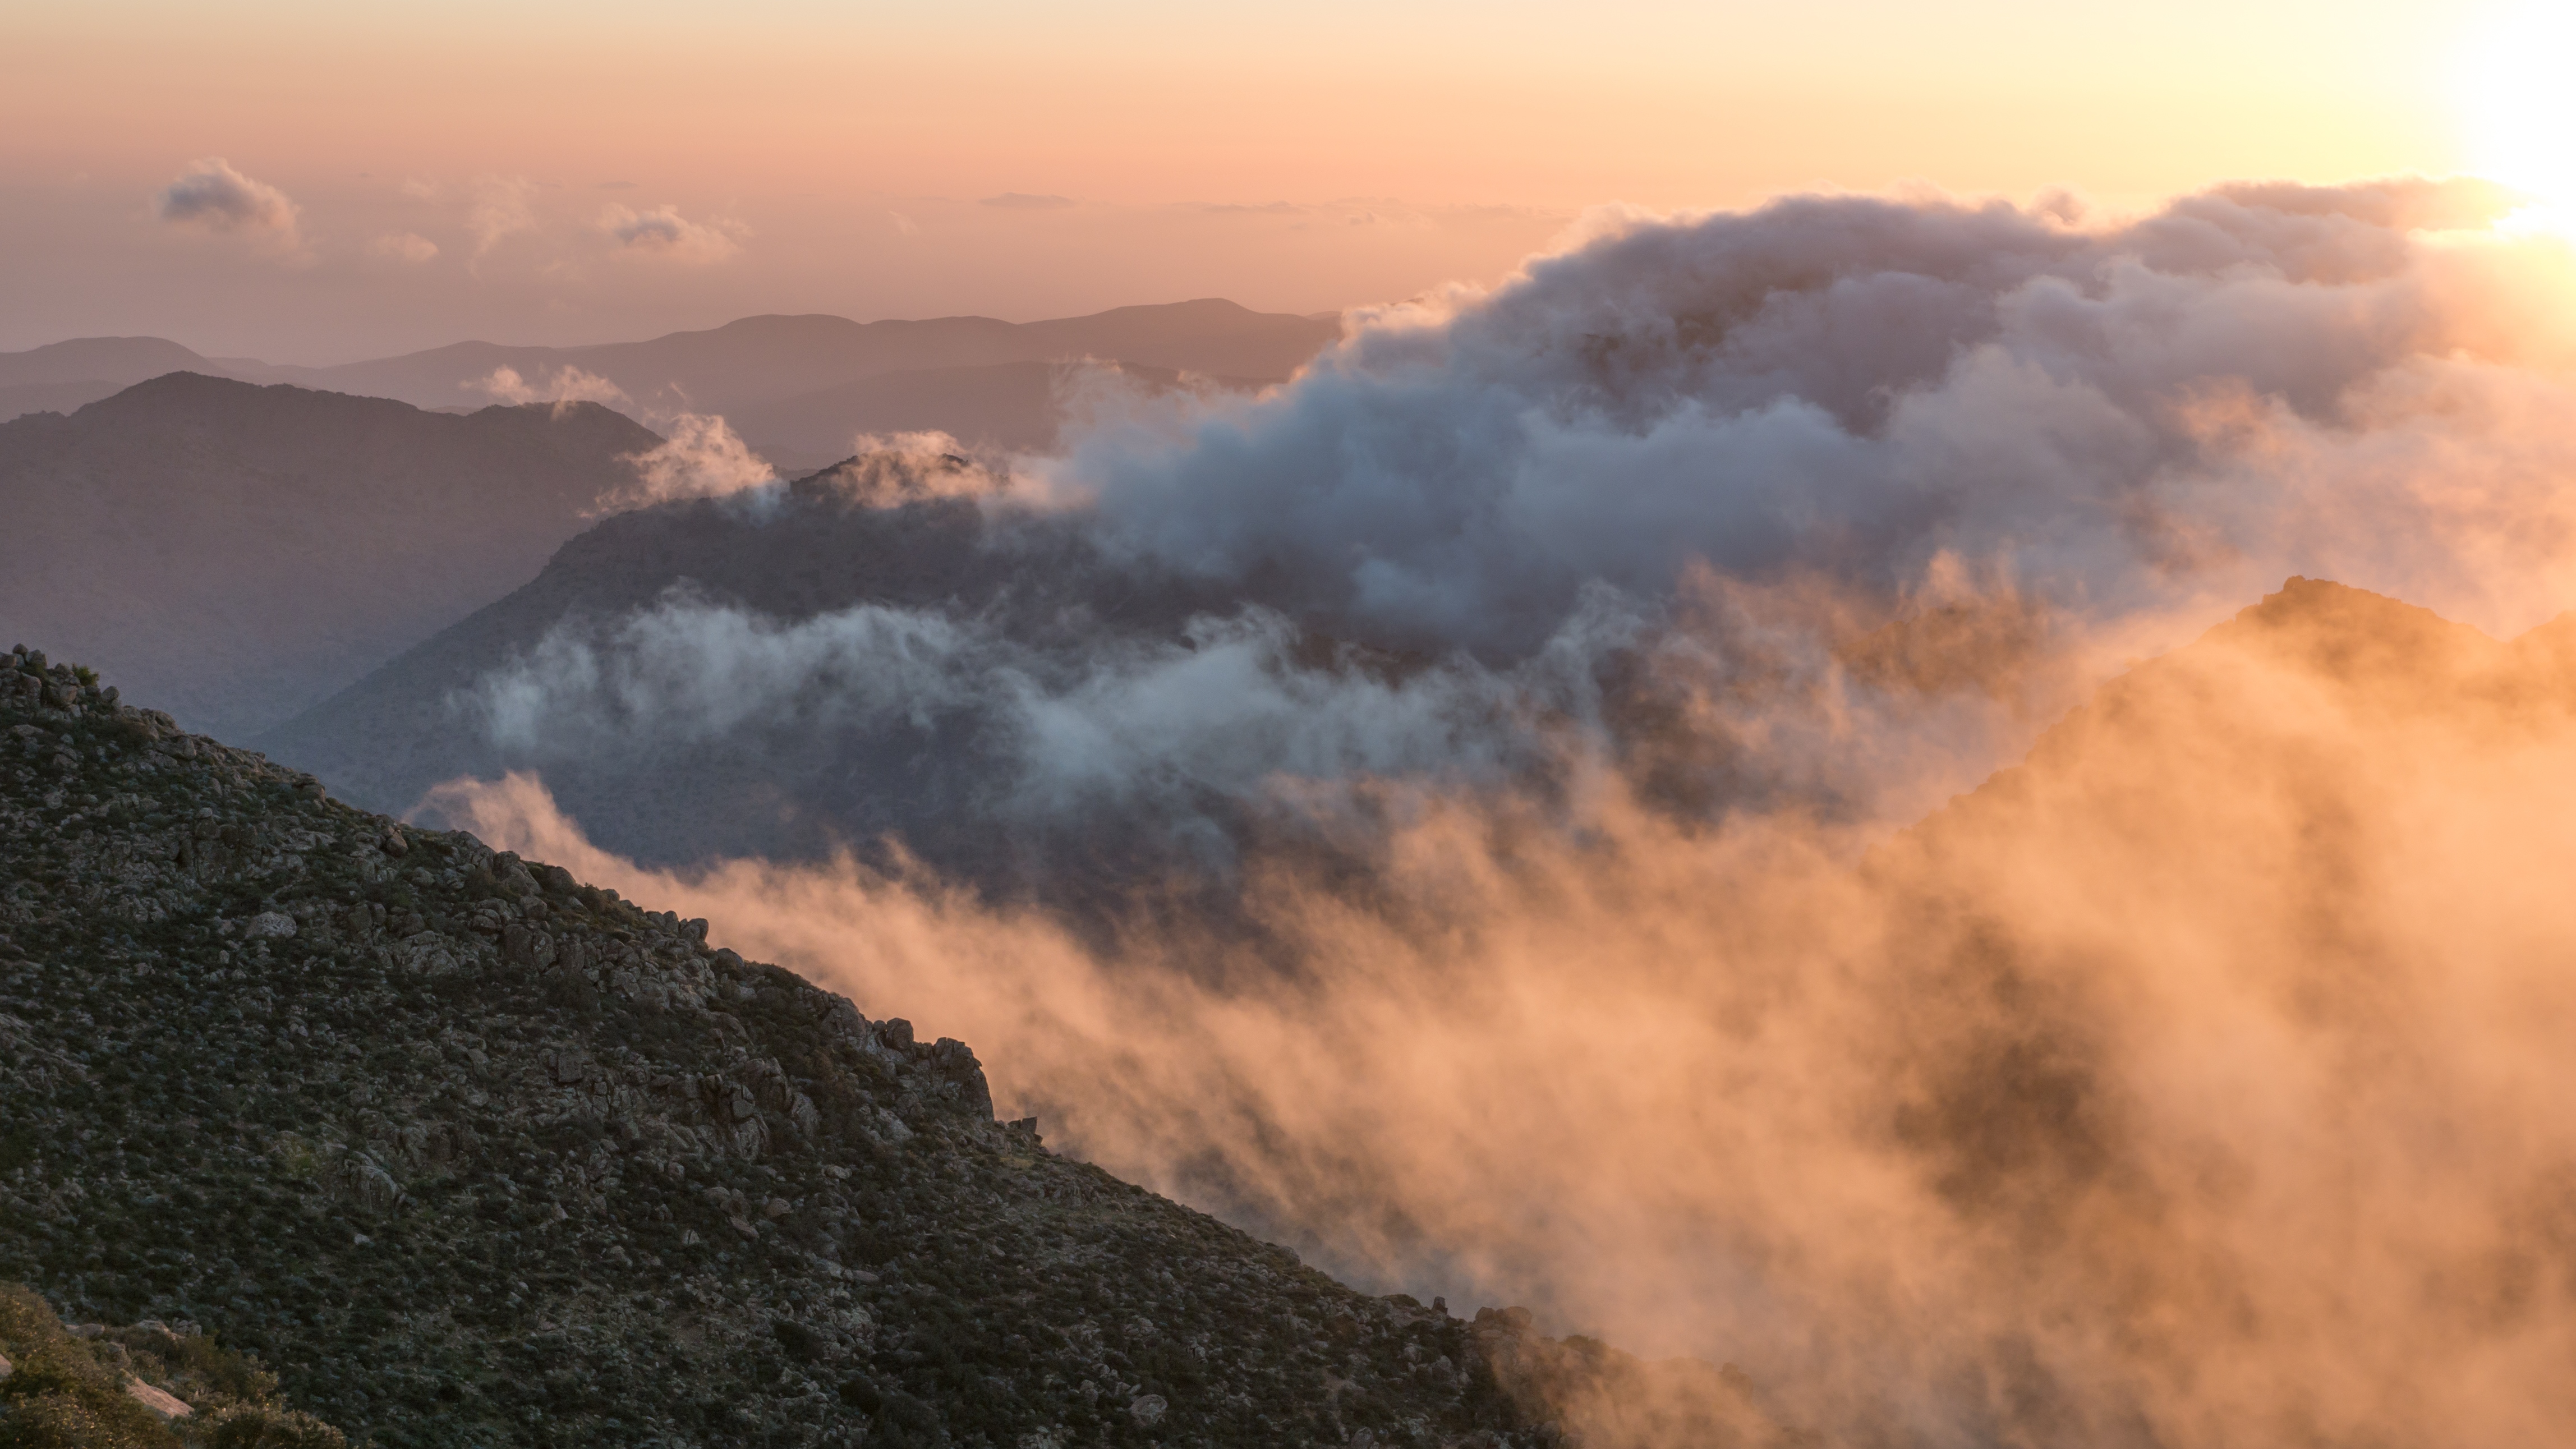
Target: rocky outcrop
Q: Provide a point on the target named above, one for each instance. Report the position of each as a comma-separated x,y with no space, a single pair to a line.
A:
475,1153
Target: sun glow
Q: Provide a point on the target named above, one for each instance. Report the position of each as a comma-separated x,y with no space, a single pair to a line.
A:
2521,107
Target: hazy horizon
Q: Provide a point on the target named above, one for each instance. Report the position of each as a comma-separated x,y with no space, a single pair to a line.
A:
585,173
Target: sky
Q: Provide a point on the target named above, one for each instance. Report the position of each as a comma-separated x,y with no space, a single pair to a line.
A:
316,183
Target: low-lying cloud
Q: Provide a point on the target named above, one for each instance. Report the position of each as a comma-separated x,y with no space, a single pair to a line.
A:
1552,670
2119,1107
563,385
700,457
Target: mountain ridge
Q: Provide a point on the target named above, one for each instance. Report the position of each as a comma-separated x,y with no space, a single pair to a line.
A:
763,359
474,1153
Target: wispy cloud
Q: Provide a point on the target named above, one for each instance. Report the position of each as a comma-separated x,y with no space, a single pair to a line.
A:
500,210
404,246
1024,201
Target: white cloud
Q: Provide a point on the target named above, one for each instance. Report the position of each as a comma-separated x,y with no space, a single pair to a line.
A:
568,385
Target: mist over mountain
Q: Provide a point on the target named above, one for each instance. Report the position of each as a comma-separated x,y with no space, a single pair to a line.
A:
883,536
241,551
1020,407
1449,810
1825,504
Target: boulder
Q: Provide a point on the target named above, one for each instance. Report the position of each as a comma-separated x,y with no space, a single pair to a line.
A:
167,1405
269,926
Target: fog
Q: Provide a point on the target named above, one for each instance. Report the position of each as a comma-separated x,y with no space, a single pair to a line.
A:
2200,1081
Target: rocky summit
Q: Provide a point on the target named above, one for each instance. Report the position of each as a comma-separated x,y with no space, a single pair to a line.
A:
464,1151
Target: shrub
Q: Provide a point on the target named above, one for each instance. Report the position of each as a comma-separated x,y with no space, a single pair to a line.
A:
71,1421
61,1397
256,1426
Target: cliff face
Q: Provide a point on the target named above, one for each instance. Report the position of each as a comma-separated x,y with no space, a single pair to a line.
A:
473,1153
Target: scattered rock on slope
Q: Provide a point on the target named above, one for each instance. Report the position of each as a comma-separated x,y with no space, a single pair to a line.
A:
475,1153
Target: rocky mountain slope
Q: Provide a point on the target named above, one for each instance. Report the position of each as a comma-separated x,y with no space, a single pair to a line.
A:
238,552
471,1153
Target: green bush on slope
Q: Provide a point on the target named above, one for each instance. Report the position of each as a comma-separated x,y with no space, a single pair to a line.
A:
67,1391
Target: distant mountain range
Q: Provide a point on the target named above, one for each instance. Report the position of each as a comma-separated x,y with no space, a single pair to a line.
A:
239,552
62,376
804,383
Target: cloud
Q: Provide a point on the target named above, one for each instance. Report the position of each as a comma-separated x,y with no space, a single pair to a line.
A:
568,384
1025,201
1544,679
663,232
211,196
699,458
501,209
616,186
2118,1107
404,246
1859,386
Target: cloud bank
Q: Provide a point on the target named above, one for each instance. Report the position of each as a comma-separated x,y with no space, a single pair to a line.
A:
1550,669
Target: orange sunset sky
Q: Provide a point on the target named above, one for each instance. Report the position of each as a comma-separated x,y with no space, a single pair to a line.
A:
573,172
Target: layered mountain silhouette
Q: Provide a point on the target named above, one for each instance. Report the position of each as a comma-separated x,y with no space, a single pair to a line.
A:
239,552
66,375
760,360
804,383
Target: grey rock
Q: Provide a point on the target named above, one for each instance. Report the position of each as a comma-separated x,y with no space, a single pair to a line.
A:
269,926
